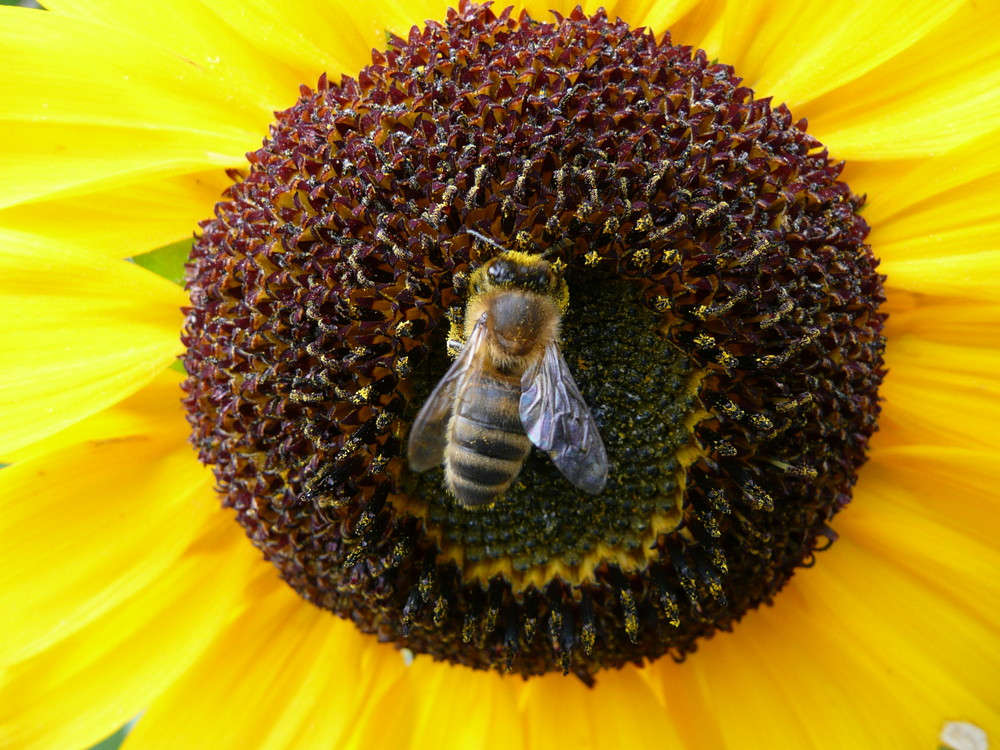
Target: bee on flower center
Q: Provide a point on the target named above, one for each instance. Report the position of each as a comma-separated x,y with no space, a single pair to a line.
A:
509,388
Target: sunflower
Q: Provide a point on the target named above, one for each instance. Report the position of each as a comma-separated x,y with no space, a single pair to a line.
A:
127,591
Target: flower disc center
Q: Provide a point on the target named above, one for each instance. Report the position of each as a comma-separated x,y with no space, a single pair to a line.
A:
723,327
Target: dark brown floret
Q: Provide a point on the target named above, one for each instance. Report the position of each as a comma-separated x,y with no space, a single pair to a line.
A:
723,325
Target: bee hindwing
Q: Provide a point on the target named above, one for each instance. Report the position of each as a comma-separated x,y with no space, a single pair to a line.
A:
429,434
557,420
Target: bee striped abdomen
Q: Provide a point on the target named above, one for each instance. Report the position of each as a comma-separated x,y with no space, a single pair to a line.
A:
487,444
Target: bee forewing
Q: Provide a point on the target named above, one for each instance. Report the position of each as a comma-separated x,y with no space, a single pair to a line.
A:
557,419
429,433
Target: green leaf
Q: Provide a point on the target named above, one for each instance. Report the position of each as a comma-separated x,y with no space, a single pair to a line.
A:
115,741
167,261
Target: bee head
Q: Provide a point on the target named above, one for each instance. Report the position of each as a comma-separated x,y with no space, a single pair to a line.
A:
522,271
514,269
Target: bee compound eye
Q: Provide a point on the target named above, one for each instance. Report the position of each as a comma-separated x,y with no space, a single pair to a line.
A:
500,271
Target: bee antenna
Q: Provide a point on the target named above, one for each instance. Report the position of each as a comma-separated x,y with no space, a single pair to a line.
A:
486,239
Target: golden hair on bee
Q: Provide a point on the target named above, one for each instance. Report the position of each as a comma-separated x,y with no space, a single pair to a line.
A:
508,389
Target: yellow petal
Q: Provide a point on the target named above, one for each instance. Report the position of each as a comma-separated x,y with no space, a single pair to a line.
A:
936,94
369,26
917,356
690,22
110,109
796,53
655,15
317,37
324,707
621,711
760,701
314,678
951,546
935,653
854,653
205,37
482,711
963,177
542,11
124,222
948,321
311,37
88,526
966,275
762,688
941,393
155,406
934,232
80,332
83,688
934,221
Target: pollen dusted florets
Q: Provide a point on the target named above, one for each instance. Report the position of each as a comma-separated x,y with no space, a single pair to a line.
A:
723,326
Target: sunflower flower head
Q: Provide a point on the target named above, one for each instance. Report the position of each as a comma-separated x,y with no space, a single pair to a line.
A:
723,325
683,248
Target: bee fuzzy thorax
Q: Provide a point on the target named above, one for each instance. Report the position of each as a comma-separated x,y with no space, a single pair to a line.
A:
520,324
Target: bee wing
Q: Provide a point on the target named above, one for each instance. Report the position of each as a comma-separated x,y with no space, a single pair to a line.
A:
429,434
557,420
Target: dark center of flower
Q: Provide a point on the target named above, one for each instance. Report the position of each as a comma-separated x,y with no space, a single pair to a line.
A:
642,394
722,326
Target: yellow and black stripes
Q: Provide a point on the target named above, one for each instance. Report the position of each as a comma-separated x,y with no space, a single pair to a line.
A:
487,444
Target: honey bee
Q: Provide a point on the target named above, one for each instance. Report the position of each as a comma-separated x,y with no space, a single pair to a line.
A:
509,388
